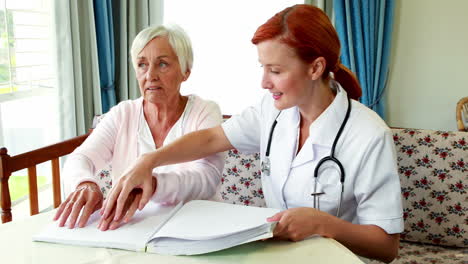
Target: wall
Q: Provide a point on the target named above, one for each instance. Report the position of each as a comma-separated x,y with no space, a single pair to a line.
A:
429,71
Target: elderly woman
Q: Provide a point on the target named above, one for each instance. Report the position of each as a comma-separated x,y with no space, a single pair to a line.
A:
162,58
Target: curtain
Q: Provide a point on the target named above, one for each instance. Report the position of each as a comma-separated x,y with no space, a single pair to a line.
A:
365,30
325,5
83,75
105,46
77,66
133,16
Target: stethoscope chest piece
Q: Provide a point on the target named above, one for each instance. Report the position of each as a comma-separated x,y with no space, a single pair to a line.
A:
266,166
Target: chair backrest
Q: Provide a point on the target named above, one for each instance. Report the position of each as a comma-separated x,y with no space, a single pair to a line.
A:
462,114
29,160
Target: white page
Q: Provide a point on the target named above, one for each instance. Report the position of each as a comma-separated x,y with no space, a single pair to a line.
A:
201,220
174,246
130,236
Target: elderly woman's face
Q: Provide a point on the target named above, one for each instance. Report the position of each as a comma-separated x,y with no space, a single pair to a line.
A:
158,72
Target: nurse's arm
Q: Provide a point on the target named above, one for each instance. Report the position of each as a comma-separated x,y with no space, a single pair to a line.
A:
368,241
192,146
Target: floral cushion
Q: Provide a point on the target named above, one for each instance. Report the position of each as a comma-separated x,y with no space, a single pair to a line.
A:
415,253
433,168
105,180
241,182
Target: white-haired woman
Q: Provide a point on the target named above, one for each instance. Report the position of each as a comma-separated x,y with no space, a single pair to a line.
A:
162,58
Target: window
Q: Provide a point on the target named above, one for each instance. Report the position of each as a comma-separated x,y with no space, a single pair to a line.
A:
28,98
25,48
226,67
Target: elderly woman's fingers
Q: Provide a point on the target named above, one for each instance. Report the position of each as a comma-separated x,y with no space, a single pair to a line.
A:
76,209
65,209
62,208
66,212
86,197
89,208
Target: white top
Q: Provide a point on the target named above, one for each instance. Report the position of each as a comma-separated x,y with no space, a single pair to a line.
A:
365,148
145,138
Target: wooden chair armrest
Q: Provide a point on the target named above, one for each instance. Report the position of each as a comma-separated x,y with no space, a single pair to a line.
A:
29,160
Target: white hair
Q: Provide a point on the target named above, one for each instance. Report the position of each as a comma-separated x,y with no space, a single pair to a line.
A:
178,39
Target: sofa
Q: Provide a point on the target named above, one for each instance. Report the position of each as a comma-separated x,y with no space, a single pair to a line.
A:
433,169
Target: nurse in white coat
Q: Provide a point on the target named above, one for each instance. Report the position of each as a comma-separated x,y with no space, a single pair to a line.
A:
309,89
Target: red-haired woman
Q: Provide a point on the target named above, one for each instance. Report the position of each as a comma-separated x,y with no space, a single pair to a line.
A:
327,161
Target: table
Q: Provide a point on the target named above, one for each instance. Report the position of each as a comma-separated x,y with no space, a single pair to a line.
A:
16,246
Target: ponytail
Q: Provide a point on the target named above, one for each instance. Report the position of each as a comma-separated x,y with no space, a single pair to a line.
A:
348,81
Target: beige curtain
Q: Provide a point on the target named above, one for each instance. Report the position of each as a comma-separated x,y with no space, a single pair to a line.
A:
77,57
132,16
77,66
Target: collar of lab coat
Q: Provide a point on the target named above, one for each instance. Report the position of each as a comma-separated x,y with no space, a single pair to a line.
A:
323,130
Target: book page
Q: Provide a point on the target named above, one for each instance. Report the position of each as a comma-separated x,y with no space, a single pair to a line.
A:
131,236
202,220
175,246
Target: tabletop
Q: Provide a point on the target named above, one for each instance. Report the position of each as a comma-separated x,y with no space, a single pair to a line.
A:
16,246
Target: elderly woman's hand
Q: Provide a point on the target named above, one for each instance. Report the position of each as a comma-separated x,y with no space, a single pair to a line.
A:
139,176
87,198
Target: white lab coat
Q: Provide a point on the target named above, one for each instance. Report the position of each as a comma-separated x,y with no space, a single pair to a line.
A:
365,148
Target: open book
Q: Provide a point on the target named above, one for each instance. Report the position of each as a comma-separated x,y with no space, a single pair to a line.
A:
197,227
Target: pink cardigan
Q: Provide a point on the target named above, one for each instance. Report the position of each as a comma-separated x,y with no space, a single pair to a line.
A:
115,139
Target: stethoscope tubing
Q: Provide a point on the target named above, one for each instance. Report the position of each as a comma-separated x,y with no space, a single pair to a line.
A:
331,157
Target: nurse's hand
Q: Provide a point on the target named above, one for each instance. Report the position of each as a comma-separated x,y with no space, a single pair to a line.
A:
85,200
130,207
296,224
139,176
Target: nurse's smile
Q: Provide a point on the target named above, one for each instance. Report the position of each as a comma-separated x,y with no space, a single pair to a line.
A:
277,96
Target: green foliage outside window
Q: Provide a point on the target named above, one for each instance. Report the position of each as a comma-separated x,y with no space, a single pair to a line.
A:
19,185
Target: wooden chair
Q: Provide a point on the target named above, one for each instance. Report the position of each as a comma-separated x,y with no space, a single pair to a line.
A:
29,160
462,114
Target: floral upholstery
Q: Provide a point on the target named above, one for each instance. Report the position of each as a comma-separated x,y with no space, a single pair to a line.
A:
241,179
416,253
433,168
105,180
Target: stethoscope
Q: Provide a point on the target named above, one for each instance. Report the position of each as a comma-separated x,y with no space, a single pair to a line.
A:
266,162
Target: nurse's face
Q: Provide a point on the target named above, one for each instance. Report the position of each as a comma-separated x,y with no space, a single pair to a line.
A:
284,74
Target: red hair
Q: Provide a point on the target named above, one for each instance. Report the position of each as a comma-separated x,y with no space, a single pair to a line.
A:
310,33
